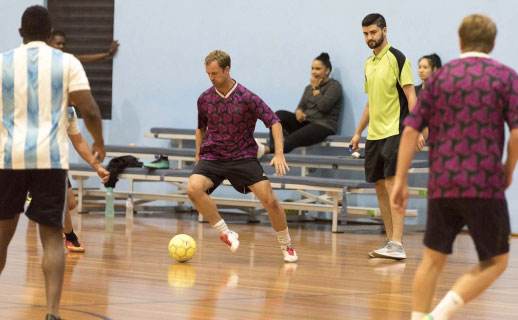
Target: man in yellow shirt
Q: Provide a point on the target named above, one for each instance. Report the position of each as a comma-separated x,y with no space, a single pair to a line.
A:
390,86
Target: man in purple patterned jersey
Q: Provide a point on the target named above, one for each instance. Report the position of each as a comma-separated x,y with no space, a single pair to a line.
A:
465,105
226,149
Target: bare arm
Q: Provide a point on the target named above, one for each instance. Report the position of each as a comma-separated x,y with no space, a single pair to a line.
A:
92,117
83,150
399,195
278,159
364,121
512,156
89,58
199,136
411,97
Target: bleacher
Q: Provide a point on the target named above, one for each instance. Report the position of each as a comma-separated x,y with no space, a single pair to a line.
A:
317,193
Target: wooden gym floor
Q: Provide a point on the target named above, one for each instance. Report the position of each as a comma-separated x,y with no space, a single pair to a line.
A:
126,273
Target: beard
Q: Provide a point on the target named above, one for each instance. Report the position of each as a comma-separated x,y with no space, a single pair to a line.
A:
374,44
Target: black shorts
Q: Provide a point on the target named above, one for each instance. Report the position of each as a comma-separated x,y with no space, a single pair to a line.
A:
487,221
240,173
68,183
48,189
381,158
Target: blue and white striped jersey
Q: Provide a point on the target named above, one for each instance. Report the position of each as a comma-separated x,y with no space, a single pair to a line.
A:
35,81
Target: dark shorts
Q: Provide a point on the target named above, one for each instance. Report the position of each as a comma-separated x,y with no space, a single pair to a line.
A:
381,158
68,183
48,189
240,173
487,221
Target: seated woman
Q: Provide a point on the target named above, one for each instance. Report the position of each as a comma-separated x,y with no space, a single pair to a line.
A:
426,67
318,111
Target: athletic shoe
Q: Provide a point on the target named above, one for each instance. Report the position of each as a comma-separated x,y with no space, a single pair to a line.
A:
289,254
391,251
74,246
231,240
50,316
371,254
260,149
160,163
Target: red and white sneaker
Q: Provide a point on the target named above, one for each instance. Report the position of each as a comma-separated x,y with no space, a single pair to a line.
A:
231,240
289,254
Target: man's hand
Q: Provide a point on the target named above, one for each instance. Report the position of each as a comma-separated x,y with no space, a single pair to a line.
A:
300,115
114,46
355,141
98,150
420,143
399,197
281,167
103,174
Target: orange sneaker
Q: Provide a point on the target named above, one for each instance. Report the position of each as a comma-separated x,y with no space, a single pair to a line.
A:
74,246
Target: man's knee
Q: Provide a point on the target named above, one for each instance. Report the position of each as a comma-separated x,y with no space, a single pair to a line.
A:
380,185
194,190
270,201
499,262
434,259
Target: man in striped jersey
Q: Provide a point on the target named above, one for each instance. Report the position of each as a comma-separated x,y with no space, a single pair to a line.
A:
36,84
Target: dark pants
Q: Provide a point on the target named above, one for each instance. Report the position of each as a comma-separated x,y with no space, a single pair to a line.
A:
298,134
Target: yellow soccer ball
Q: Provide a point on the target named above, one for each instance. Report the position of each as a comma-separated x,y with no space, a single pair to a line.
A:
182,247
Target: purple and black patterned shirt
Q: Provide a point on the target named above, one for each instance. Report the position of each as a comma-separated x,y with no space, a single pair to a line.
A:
230,122
465,105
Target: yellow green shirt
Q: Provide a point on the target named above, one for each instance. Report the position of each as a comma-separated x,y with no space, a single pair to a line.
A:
385,76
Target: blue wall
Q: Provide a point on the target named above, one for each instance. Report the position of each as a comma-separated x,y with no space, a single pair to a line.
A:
159,70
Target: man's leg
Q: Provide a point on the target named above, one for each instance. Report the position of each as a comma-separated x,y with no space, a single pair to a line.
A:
425,279
263,191
384,205
71,204
53,265
197,191
7,229
393,221
398,220
72,241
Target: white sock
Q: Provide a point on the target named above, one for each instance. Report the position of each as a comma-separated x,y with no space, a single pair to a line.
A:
416,315
396,242
448,306
284,237
221,226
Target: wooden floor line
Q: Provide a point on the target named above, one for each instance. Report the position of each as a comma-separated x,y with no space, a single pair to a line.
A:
88,313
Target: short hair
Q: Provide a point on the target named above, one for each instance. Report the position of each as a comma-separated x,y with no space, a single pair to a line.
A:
324,58
434,60
58,33
36,23
374,18
478,33
221,57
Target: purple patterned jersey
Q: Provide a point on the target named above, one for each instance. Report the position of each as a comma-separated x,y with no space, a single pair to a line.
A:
230,123
465,105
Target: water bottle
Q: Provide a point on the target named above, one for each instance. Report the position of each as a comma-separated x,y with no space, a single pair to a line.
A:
129,206
109,210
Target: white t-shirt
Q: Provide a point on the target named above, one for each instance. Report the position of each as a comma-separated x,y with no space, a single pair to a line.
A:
35,82
73,124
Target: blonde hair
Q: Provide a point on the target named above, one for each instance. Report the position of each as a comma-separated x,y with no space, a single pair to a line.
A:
478,33
221,57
